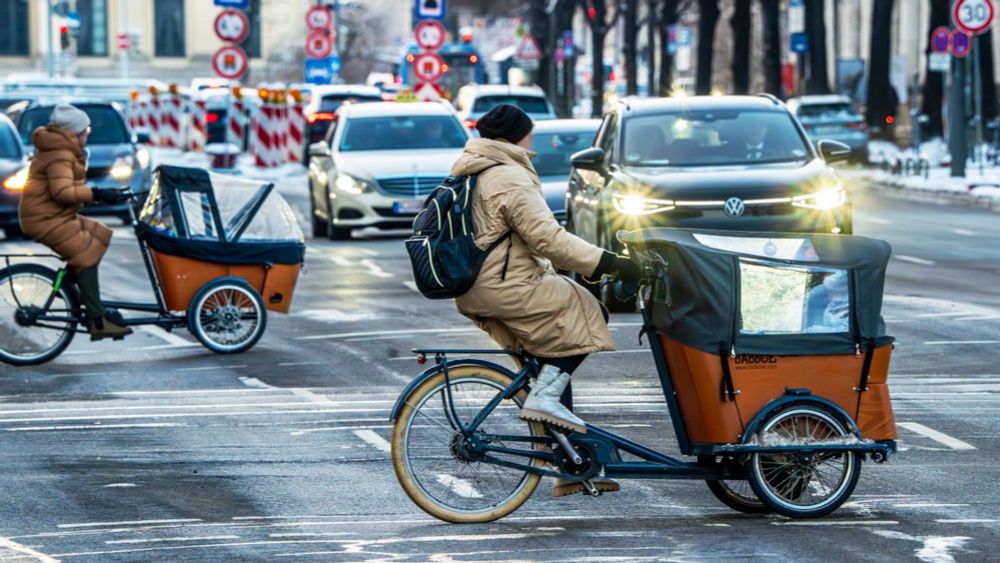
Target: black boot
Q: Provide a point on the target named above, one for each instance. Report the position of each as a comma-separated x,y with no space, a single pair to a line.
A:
98,324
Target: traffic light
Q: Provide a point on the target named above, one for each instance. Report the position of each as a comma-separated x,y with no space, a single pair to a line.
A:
64,36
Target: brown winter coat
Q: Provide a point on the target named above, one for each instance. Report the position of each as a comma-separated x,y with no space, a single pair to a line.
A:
52,198
533,308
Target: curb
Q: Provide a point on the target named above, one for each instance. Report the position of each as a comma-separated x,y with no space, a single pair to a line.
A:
939,197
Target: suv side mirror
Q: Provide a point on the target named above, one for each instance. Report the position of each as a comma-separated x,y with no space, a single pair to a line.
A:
589,159
142,137
319,149
833,151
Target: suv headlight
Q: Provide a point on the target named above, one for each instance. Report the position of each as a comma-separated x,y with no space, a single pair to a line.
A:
830,198
631,204
142,158
16,182
121,169
351,185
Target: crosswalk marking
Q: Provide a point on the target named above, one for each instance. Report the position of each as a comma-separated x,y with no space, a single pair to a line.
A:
940,437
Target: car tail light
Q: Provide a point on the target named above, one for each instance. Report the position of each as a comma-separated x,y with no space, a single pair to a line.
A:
321,116
470,123
858,126
212,118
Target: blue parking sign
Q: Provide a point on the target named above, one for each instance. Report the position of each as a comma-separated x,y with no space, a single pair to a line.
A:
429,9
799,43
239,4
322,71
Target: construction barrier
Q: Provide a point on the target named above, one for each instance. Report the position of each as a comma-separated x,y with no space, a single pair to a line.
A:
236,127
296,127
153,116
198,136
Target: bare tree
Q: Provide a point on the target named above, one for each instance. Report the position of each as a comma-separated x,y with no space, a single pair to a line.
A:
601,19
630,45
882,98
669,15
932,97
770,10
818,82
708,17
740,24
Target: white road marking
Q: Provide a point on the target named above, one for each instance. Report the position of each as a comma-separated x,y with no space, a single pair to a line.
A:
374,440
342,261
927,505
129,523
877,220
97,426
461,487
963,232
935,549
181,538
209,368
966,520
119,485
375,270
836,523
186,392
312,397
27,551
292,364
169,338
940,437
913,259
194,414
950,342
948,314
455,330
255,383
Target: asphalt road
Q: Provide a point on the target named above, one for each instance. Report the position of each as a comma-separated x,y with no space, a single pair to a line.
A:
155,449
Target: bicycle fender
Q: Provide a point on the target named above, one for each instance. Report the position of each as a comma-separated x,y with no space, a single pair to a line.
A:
434,370
770,408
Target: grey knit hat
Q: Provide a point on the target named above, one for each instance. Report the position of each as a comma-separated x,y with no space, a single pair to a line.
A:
70,118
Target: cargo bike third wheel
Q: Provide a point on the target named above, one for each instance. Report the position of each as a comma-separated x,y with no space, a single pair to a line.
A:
227,316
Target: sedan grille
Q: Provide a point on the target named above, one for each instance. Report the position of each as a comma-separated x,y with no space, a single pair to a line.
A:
409,186
98,172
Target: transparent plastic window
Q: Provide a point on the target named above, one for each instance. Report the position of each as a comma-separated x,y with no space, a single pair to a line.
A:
234,196
274,221
157,212
798,249
781,299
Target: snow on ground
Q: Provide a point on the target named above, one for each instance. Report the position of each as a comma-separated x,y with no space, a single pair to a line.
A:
979,183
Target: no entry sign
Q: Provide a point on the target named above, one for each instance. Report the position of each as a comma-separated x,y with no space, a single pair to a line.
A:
232,26
230,62
973,16
960,43
428,67
318,45
430,35
940,38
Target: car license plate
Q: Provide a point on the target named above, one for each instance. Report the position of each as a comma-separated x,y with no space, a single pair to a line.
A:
407,207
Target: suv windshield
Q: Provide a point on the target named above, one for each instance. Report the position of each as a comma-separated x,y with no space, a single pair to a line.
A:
555,149
402,133
10,147
713,138
331,103
530,104
106,125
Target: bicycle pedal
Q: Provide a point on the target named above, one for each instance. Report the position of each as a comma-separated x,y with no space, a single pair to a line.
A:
590,490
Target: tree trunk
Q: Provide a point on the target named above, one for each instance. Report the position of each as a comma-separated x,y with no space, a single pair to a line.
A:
987,76
651,25
708,16
668,17
932,100
740,23
882,98
563,15
539,24
597,76
630,46
819,82
770,12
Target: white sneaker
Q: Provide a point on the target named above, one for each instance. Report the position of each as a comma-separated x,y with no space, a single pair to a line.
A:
542,404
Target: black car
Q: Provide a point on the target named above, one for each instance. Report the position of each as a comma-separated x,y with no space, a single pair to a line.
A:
13,175
713,162
114,157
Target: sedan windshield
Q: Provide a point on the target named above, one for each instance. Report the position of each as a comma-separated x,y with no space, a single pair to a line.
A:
331,103
713,138
391,133
106,125
530,104
10,146
555,149
826,111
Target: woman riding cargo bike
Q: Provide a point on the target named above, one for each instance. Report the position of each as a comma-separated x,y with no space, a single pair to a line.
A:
770,350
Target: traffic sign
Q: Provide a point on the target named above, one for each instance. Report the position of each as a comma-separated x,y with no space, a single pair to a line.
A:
230,62
428,91
318,45
796,16
973,16
430,9
428,67
319,17
124,41
430,35
322,71
939,62
232,26
240,4
960,43
528,50
799,43
940,38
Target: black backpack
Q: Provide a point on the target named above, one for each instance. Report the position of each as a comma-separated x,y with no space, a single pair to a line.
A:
443,251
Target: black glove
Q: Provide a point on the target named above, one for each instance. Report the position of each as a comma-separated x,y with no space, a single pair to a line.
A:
110,195
624,269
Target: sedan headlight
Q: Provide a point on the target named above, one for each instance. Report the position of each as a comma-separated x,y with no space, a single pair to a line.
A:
351,185
16,182
830,198
631,204
121,169
142,158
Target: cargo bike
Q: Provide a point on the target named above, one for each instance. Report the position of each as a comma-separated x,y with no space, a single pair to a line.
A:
773,360
220,252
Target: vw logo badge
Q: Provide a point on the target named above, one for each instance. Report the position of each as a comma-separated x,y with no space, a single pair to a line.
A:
734,207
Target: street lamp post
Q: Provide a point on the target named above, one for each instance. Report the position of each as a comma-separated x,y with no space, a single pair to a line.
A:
52,45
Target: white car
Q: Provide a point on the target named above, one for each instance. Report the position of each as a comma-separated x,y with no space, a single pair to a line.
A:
378,163
474,100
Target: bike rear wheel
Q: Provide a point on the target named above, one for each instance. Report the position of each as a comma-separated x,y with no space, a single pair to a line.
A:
24,291
739,496
427,455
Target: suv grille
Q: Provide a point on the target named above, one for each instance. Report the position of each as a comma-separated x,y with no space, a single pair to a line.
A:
409,186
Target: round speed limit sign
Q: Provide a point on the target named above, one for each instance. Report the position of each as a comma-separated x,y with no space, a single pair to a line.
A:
974,16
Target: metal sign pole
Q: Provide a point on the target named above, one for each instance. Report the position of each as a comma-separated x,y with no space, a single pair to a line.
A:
52,44
123,30
978,85
957,130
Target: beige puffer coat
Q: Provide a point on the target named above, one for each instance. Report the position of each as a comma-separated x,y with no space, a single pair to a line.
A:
56,190
534,308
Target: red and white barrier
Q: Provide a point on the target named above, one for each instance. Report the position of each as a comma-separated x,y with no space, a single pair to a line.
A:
263,136
199,126
296,132
236,126
153,116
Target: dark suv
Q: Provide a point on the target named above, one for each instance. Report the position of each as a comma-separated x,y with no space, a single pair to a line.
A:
114,157
719,162
13,175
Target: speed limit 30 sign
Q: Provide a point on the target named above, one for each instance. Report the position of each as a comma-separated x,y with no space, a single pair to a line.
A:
973,16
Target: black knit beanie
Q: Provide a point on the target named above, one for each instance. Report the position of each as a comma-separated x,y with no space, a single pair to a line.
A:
505,122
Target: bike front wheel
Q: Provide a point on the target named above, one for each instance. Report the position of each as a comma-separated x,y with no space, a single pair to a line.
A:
430,462
25,290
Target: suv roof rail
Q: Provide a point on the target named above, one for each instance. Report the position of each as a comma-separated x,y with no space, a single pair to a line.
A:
771,97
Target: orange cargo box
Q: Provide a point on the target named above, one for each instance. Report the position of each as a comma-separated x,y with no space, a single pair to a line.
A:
697,379
182,277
